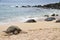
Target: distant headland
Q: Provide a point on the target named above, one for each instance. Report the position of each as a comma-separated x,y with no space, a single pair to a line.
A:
52,6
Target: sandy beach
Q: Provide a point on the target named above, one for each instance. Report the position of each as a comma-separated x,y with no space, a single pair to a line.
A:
35,31
29,19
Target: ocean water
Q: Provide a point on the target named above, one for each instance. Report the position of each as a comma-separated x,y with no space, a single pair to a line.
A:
9,13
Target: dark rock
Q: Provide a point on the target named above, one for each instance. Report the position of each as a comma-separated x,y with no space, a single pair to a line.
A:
50,19
57,15
30,21
26,6
37,6
53,15
46,15
16,6
57,21
13,29
23,6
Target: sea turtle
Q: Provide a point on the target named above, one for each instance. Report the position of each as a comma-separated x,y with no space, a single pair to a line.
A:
30,21
50,19
13,30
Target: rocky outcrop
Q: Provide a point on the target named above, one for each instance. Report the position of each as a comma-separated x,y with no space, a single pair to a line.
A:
57,21
52,5
26,6
37,6
17,6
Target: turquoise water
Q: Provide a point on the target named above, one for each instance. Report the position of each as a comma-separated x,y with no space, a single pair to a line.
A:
11,13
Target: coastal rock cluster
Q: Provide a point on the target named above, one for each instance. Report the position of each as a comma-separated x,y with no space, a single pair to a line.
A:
52,6
52,17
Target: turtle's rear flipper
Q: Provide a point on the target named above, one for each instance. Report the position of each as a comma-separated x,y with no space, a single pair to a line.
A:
5,31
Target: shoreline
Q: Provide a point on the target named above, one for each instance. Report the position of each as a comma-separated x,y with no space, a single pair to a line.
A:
39,24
